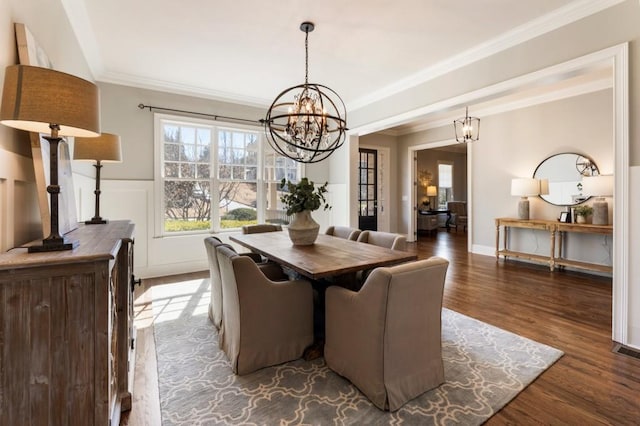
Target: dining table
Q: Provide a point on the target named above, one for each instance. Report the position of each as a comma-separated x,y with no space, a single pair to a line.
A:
329,256
329,261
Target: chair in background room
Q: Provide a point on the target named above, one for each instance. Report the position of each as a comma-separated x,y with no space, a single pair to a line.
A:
261,227
263,322
458,211
386,338
343,232
384,239
271,270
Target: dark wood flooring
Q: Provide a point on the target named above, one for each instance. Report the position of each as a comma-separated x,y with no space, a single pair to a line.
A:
571,311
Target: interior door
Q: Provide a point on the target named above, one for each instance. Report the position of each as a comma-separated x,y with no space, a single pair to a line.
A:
368,189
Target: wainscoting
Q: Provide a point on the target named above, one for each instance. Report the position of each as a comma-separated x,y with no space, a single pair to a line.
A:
160,256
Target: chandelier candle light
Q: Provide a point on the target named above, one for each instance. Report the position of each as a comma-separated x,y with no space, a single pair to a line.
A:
307,122
42,100
467,128
105,148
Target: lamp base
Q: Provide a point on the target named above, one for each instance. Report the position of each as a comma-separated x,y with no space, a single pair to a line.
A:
54,244
523,209
96,221
600,213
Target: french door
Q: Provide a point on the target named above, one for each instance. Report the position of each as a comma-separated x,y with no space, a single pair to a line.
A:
368,189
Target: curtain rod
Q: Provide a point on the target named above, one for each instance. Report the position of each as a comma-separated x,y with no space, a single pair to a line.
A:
214,116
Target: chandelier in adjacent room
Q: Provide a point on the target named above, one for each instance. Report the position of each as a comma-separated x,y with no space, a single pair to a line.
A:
467,128
307,122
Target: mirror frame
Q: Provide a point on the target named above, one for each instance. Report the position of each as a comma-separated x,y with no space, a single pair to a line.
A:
585,166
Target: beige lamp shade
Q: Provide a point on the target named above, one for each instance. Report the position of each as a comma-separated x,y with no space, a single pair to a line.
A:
33,98
432,191
525,187
544,187
598,186
104,148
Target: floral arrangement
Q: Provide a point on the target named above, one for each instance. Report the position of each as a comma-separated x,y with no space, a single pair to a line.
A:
303,196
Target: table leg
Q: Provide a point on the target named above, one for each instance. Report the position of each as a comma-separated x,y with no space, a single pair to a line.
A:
552,258
497,241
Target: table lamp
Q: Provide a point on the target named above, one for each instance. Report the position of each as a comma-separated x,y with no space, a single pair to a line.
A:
46,101
432,191
599,186
524,187
103,149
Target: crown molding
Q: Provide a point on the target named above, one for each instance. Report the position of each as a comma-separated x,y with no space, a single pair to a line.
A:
547,23
556,95
181,89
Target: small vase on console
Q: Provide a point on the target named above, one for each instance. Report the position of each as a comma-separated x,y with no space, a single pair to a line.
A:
303,230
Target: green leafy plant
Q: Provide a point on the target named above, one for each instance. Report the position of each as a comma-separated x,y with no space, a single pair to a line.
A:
584,210
303,196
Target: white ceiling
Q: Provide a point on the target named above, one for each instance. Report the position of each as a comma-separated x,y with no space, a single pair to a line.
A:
250,50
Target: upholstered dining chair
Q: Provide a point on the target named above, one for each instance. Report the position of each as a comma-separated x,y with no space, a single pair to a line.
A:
271,270
384,239
343,232
264,322
261,227
458,211
386,338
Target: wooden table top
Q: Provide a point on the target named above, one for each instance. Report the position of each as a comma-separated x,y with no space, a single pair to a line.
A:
329,256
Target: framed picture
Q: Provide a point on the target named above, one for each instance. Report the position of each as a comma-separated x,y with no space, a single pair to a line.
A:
565,217
31,53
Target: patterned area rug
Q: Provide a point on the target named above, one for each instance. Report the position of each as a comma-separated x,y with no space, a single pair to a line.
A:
485,367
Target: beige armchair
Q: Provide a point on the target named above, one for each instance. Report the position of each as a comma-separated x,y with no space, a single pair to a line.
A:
384,239
343,232
386,338
271,270
458,211
263,322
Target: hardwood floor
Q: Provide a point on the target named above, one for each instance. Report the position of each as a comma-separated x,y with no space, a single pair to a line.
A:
570,311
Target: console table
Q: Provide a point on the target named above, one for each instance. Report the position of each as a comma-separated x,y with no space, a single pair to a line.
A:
557,232
66,330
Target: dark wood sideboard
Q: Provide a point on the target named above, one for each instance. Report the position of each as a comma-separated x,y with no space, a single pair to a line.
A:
66,330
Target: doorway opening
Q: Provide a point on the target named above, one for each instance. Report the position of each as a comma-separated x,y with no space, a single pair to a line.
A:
441,191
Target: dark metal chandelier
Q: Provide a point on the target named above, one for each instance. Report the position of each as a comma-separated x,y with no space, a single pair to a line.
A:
467,128
307,122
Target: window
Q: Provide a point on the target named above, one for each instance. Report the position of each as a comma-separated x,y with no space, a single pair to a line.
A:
445,184
199,161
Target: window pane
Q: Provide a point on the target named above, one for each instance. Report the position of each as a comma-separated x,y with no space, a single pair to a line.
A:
238,172
187,170
445,175
224,172
188,135
187,206
203,154
238,204
171,170
171,152
188,153
203,171
171,133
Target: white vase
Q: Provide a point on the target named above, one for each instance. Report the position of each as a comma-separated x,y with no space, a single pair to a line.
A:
303,230
581,219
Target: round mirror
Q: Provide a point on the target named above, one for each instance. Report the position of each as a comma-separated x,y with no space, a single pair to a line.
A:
564,173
